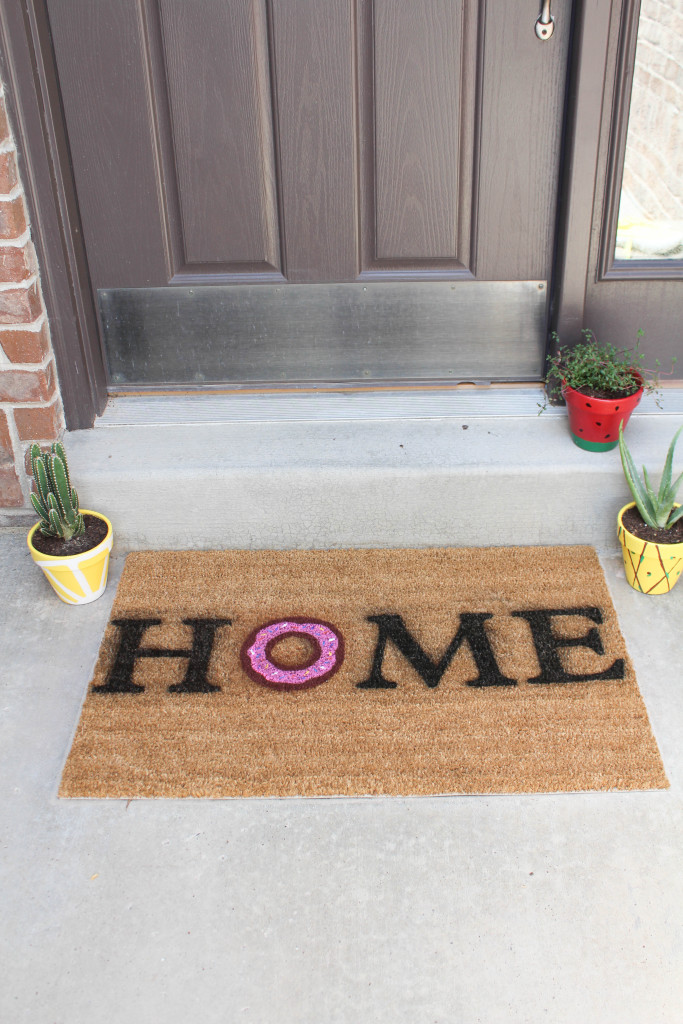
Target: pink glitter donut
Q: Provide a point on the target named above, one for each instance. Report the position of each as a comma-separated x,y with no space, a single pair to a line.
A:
324,663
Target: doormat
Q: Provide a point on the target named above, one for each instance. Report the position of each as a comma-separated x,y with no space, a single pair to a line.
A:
362,672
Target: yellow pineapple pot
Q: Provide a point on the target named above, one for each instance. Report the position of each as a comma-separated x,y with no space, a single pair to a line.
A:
650,568
81,578
652,563
71,545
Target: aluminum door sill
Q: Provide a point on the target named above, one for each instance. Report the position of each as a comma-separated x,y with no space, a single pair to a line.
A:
472,402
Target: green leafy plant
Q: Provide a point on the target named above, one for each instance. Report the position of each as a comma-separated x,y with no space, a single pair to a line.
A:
56,501
602,371
657,509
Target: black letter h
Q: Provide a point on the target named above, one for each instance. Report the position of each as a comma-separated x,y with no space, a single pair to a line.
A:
120,678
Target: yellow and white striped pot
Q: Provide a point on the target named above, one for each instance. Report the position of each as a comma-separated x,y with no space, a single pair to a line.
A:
650,568
77,579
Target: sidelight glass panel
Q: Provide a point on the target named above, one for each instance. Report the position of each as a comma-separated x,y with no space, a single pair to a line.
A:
650,225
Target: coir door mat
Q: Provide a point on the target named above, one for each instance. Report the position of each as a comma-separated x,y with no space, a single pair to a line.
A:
314,673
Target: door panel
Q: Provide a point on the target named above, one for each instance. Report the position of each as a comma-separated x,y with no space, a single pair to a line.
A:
313,44
174,169
314,142
105,88
418,104
225,179
417,61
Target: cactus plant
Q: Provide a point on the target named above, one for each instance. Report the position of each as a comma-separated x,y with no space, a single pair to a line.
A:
56,501
658,510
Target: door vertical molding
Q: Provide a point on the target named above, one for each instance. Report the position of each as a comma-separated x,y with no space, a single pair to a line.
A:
588,64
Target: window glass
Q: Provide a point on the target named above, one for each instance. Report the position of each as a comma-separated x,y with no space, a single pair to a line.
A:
651,207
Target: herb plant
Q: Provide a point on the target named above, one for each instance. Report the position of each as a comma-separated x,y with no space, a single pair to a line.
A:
56,502
657,509
601,371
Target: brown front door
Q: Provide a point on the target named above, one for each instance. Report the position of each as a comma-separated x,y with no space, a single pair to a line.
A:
315,190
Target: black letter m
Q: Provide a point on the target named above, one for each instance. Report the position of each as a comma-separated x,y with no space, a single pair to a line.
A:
392,627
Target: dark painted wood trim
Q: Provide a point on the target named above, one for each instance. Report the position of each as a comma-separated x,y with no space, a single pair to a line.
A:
643,270
35,111
620,108
586,75
621,104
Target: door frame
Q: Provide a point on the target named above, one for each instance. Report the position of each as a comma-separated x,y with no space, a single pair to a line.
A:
34,107
34,110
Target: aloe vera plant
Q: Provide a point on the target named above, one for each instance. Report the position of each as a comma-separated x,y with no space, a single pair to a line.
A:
657,509
56,501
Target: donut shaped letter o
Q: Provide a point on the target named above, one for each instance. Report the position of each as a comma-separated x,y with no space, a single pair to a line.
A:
328,656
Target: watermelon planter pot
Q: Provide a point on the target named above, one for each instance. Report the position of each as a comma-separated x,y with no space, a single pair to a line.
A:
594,422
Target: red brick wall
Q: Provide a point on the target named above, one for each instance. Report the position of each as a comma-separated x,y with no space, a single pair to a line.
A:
30,403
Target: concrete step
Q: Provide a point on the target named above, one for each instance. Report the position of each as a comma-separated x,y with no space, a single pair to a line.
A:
460,467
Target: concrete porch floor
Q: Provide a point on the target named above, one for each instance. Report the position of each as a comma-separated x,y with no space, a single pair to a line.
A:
454,910
499,910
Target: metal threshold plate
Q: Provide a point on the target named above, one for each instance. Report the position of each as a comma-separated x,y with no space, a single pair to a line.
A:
325,333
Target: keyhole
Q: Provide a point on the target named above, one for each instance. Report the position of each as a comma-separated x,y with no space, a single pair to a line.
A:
544,29
545,23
